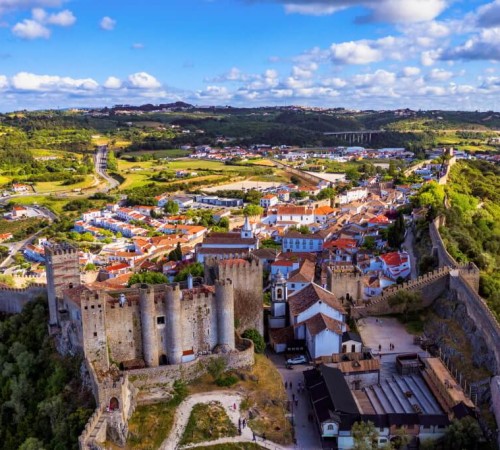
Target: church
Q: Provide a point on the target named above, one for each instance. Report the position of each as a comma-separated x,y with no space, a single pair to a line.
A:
228,245
311,317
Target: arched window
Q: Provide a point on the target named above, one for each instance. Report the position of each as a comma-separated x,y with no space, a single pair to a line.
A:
114,404
330,427
279,293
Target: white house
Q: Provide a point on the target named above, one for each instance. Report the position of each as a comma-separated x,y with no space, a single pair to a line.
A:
396,264
268,201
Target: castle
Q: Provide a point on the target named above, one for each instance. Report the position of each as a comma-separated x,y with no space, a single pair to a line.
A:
154,333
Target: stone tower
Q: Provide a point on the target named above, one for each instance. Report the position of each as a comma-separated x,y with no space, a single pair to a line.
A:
224,296
63,272
246,275
148,325
174,324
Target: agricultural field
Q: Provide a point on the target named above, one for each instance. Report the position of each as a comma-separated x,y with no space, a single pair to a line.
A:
48,201
48,187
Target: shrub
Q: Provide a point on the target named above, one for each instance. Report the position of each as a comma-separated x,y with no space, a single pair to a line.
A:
258,340
228,380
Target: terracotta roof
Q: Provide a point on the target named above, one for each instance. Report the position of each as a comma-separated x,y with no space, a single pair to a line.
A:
294,210
323,210
342,243
298,235
394,258
281,335
319,322
228,238
304,274
311,294
379,219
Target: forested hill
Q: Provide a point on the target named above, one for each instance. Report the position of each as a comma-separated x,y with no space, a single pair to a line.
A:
42,402
472,231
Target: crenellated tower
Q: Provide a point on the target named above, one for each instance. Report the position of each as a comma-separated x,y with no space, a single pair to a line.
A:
63,272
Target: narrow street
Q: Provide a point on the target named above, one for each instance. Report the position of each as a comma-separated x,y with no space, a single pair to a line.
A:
306,434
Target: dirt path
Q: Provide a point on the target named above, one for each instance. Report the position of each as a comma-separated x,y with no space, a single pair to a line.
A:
228,400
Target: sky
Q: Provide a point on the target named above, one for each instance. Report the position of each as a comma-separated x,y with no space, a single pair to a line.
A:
361,54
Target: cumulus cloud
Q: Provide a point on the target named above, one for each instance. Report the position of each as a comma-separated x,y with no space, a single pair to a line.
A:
214,93
488,15
25,81
439,75
30,29
410,71
20,5
4,83
107,23
360,52
113,83
143,80
482,46
388,11
37,26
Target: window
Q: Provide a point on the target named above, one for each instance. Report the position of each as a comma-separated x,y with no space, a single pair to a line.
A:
353,348
330,427
95,333
160,320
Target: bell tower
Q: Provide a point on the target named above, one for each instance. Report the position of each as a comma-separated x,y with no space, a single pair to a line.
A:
279,295
246,231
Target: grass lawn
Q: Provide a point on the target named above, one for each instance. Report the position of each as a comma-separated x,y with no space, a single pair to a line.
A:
52,203
263,391
167,153
150,425
200,164
207,422
5,180
48,187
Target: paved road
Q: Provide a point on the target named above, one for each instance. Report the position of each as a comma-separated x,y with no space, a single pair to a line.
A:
306,433
101,166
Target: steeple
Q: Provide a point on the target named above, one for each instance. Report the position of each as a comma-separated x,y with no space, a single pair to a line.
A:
246,231
279,295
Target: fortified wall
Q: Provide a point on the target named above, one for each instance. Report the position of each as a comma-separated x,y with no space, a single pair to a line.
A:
345,283
12,300
246,275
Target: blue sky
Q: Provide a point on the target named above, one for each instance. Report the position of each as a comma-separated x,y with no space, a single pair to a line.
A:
365,54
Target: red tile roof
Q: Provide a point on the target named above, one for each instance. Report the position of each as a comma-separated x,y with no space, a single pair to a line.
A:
311,294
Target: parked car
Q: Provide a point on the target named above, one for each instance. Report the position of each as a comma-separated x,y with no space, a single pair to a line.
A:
301,359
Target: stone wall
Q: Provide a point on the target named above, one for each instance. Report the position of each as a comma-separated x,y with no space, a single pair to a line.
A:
431,286
495,401
343,283
141,378
90,434
444,179
12,301
438,246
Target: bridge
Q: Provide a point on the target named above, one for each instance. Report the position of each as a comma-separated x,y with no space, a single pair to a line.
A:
358,136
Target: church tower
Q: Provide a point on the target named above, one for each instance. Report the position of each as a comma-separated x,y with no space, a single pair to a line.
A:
279,296
246,231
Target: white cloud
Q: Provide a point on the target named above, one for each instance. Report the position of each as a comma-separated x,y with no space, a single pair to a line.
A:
30,29
439,75
143,80
4,83
359,52
488,15
137,46
304,71
482,46
19,5
410,71
334,82
107,23
378,78
62,19
213,92
113,83
388,11
428,58
25,81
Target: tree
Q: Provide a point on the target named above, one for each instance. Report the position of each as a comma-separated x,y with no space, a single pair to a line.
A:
365,436
369,243
326,193
258,340
463,434
111,162
253,210
406,302
216,367
90,267
176,254
253,196
32,444
396,233
148,278
224,223
171,207
196,270
4,251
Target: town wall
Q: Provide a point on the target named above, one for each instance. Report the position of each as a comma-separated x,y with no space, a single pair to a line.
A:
248,290
343,283
444,179
12,300
495,401
431,286
142,378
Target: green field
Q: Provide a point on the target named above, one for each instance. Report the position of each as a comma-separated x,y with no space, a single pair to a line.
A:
56,186
54,204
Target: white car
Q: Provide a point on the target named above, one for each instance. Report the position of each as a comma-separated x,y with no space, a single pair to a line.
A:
297,360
